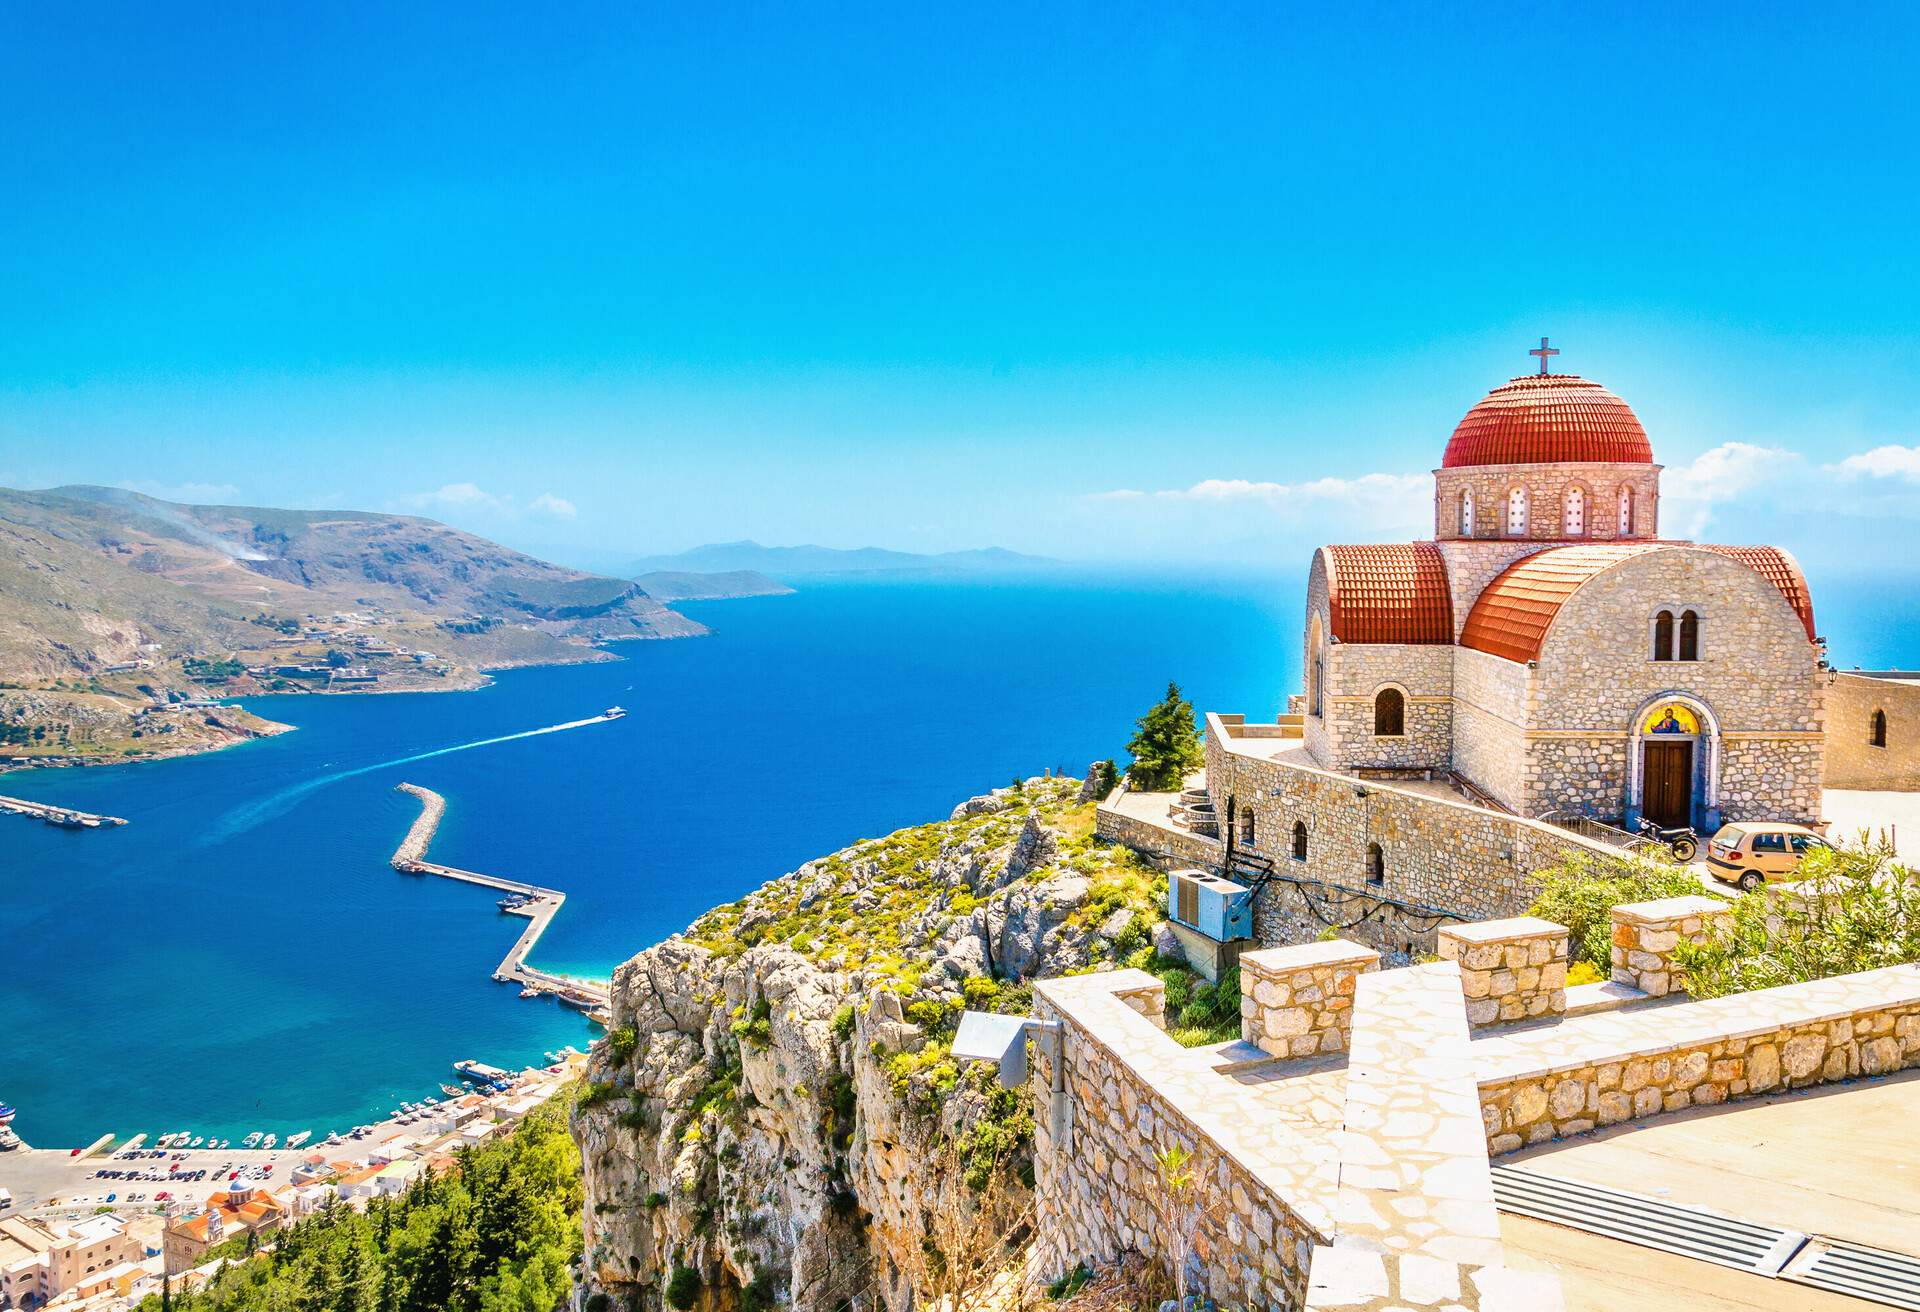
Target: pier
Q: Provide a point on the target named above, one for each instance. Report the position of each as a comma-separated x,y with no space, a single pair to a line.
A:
539,905
63,816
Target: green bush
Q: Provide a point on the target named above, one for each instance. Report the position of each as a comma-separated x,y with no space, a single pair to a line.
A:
1070,1284
621,1044
1199,1014
683,1288
757,1026
1853,909
842,1023
1582,893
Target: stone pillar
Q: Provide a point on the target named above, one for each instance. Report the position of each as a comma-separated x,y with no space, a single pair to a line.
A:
1514,969
1150,1000
1298,1001
1644,935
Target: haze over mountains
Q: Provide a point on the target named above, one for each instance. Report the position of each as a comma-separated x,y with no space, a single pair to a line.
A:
805,561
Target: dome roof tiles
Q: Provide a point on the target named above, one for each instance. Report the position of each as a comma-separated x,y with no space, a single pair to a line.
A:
1540,419
1390,592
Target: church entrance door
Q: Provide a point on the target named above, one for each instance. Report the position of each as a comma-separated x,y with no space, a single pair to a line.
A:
1666,790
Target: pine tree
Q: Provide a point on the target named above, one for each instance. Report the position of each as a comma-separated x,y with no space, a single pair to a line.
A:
1165,745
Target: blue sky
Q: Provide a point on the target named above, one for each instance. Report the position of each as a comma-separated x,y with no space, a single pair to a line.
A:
634,278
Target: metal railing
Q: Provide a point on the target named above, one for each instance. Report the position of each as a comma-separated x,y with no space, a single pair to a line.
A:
1587,827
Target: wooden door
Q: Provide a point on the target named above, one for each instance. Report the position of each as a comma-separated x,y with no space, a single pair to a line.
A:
1666,784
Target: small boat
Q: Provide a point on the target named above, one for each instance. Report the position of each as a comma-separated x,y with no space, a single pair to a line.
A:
613,713
269,1141
197,1141
454,1090
295,1140
333,1137
252,1140
529,992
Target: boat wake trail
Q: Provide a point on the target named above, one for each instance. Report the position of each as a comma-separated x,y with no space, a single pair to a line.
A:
246,817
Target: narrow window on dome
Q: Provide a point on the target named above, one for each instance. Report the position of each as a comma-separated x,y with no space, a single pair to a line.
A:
1626,512
1575,525
1466,514
1663,636
1389,714
1517,513
1690,636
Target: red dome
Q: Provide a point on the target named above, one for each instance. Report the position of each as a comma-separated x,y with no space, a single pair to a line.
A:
1545,419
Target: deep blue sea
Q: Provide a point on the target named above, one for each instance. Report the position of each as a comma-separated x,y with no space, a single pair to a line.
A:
241,956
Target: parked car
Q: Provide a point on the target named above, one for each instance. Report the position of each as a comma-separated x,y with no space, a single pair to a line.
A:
1753,853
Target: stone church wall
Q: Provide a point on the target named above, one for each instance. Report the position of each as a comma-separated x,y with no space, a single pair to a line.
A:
1852,760
1757,671
1471,565
1318,608
1356,672
1489,715
1437,852
1546,499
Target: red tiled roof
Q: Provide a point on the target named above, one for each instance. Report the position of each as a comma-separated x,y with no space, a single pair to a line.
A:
1779,569
1512,616
1547,419
1392,592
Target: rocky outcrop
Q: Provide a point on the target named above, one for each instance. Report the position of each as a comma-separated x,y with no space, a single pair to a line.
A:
770,1114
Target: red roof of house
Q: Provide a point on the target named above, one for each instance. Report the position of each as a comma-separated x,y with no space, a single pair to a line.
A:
1512,616
1541,419
1391,592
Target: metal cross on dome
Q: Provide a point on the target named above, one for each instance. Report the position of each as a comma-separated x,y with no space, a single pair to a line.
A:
1544,351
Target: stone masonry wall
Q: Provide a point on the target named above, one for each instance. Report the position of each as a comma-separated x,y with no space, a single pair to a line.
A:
1318,609
1472,564
1700,1055
1168,849
1298,1001
1490,702
1546,499
1646,933
1356,673
1852,761
1098,1193
1510,970
1465,858
1757,671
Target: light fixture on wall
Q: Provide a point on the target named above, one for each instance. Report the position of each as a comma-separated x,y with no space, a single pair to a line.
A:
1002,1040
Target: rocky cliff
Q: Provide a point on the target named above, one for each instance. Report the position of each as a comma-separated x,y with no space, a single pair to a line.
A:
776,1110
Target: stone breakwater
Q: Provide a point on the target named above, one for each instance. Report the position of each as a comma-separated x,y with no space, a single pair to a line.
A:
413,848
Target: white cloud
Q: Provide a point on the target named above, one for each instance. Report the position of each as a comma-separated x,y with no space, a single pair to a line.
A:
1718,477
192,493
1891,461
556,507
1384,500
457,496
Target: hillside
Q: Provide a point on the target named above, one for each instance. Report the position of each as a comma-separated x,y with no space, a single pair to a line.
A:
106,593
776,1113
679,585
803,561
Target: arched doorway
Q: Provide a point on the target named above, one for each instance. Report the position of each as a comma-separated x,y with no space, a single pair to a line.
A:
1673,764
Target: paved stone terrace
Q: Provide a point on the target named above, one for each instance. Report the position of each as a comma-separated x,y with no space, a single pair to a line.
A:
1370,1170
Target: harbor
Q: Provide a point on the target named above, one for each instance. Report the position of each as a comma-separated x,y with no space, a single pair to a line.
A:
537,904
61,817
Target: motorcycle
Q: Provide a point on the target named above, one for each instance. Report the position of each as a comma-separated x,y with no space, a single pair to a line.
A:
1683,842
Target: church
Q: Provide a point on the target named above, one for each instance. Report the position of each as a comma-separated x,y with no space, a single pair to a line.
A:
1549,652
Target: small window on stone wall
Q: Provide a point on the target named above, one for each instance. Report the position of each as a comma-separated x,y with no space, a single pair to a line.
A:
1246,827
1663,636
1574,521
1466,514
1376,864
1689,636
1626,512
1517,513
1877,737
1299,840
1389,714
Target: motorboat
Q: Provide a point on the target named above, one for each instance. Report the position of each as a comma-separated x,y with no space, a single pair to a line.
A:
252,1140
269,1141
613,713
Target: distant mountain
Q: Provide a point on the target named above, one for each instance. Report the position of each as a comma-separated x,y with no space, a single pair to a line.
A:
93,576
678,585
789,563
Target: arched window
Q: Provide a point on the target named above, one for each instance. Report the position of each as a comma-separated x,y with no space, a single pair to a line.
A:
1877,737
1246,827
1299,840
1573,520
1663,636
1376,864
1626,512
1689,635
1389,714
1315,666
1517,513
1466,513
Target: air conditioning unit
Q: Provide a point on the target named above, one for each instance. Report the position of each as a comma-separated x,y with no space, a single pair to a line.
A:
1217,908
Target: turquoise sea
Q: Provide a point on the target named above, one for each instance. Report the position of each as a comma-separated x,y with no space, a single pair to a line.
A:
241,957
